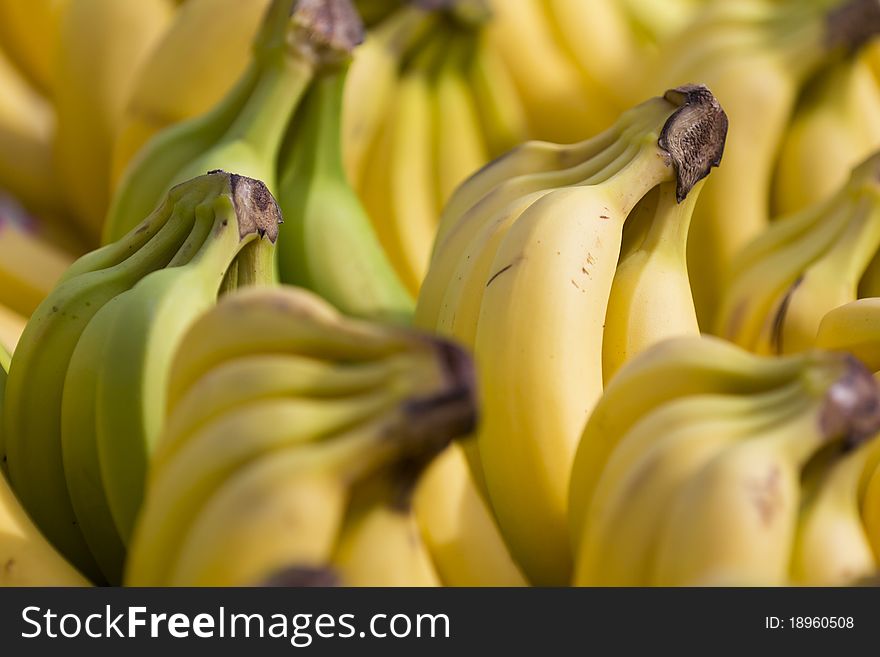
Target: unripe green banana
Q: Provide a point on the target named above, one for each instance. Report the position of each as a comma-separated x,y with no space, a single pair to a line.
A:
51,441
329,244
244,132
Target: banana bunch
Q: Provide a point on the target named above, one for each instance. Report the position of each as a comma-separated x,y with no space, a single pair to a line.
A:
756,56
524,270
802,266
706,465
194,64
99,44
86,392
245,130
294,439
27,558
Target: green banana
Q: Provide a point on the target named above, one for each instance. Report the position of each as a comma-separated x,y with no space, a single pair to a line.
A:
329,244
244,132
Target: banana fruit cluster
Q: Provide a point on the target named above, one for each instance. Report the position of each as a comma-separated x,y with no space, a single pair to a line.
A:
294,439
525,271
706,465
86,392
627,368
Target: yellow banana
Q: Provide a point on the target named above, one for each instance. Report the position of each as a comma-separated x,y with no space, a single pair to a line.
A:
831,545
650,297
29,268
29,32
100,43
194,64
834,128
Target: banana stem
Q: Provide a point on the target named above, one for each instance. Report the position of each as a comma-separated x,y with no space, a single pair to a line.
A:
851,406
694,135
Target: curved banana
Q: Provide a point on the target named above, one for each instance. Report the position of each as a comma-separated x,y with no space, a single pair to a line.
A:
29,32
545,75
831,545
244,132
399,186
372,79
835,127
27,124
853,327
459,145
194,64
380,543
29,268
650,297
459,528
328,244
11,328
100,43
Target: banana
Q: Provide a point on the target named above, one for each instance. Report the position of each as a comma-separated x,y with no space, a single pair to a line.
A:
675,368
372,79
755,56
661,451
548,290
820,256
27,124
100,43
598,39
651,297
399,186
501,110
736,519
544,74
831,545
29,32
244,132
341,402
195,63
27,558
458,526
329,244
380,543
853,327
29,268
459,146
835,127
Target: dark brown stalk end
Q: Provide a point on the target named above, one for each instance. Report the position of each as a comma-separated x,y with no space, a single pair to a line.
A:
693,136
255,207
852,24
330,25
430,424
852,405
300,576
